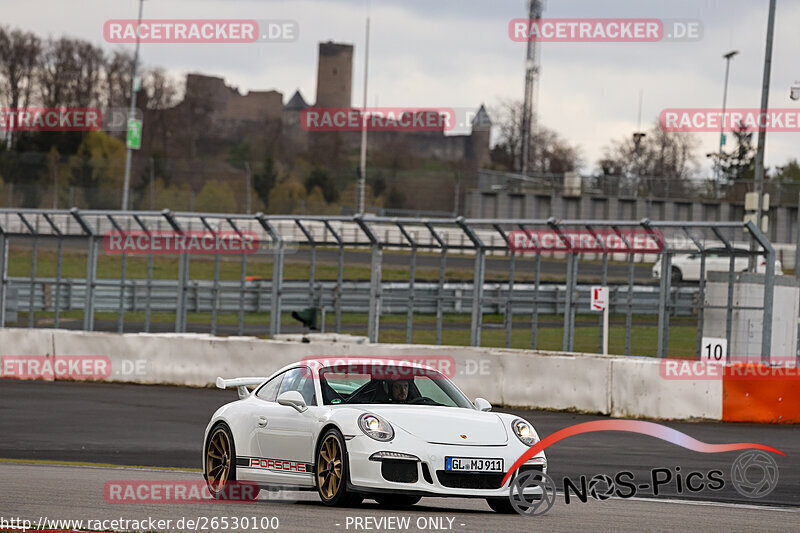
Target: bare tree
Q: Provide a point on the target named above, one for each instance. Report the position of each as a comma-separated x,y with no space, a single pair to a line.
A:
508,124
161,90
18,54
660,162
118,71
57,71
550,153
90,61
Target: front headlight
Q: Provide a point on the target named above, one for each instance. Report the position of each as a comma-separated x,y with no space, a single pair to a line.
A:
376,427
524,432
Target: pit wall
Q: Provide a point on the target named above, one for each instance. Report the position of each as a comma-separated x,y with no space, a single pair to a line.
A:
609,385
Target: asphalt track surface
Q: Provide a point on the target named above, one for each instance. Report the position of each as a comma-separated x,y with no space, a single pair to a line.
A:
160,426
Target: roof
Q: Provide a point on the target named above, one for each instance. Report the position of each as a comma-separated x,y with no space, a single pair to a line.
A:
481,118
296,103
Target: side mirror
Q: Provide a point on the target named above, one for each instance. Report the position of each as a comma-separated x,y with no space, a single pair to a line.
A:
292,398
482,405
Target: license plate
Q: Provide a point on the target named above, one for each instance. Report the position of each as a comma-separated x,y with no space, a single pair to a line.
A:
472,464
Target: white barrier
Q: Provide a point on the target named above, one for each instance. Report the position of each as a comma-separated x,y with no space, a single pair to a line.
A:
638,390
620,386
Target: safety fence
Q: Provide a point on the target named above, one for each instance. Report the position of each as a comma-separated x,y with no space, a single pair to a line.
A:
595,243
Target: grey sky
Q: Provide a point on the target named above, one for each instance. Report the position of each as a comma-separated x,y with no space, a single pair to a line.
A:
457,53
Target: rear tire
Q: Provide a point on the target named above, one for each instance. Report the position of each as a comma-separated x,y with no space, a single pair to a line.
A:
677,276
396,500
500,505
333,471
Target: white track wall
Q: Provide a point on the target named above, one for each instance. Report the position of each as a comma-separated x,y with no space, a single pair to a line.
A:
619,386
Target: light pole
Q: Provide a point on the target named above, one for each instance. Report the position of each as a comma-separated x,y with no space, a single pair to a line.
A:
134,89
362,173
727,58
762,131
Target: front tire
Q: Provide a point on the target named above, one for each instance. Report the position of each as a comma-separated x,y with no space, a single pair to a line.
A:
333,471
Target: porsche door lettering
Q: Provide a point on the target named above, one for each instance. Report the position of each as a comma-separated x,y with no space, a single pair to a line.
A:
278,465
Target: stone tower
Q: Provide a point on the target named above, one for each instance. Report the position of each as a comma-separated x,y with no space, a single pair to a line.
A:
480,139
334,75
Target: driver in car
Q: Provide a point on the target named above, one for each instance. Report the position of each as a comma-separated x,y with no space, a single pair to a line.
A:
400,391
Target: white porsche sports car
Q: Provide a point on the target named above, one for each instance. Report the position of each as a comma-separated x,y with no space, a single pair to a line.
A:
393,431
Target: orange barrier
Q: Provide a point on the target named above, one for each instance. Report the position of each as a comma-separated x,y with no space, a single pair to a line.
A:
757,393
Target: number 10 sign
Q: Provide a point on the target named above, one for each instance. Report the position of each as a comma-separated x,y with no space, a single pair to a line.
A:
715,350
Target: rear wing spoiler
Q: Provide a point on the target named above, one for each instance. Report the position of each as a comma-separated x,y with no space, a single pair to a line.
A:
241,384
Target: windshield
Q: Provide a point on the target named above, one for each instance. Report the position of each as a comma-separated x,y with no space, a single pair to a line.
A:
383,385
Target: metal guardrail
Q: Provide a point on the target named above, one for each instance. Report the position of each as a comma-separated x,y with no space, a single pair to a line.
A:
442,236
204,296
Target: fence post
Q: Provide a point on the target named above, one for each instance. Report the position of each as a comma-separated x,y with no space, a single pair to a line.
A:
337,297
91,275
183,273
629,310
91,270
32,295
602,323
796,269
769,289
663,300
59,267
410,311
729,304
535,309
242,293
277,290
477,296
375,293
180,310
440,288
569,303
3,276
277,276
373,327
701,304
509,318
477,282
440,295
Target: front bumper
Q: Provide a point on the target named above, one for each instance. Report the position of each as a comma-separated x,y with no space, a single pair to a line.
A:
426,476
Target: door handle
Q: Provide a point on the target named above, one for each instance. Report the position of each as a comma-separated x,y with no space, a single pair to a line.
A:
262,421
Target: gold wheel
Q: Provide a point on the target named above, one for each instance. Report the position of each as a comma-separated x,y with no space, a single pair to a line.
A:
219,456
330,467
